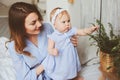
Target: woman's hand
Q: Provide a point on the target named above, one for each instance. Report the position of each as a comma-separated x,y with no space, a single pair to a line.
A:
74,40
39,69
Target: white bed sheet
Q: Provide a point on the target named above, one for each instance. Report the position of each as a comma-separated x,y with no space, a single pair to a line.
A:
6,68
91,72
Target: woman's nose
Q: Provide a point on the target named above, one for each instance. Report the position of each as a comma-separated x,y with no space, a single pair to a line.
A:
39,23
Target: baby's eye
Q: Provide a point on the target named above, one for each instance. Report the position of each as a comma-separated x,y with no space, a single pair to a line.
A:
63,21
68,20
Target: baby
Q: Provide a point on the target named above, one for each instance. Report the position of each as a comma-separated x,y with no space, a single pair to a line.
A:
63,60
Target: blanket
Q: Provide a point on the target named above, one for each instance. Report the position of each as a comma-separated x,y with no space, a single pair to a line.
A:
6,69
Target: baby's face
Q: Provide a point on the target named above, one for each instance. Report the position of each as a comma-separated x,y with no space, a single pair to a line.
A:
62,23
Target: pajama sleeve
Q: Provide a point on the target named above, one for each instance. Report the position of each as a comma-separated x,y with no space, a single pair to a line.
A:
23,70
48,27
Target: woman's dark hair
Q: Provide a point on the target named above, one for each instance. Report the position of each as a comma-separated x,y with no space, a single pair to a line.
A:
17,15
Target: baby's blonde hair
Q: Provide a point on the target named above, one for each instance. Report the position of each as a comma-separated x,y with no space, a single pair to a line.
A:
61,14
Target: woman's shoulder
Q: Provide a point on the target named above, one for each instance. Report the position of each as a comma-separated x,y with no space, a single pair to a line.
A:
11,49
48,27
10,44
46,24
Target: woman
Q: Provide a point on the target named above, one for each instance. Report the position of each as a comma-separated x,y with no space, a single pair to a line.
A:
28,41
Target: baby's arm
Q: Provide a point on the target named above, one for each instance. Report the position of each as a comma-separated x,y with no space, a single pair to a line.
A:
86,31
51,48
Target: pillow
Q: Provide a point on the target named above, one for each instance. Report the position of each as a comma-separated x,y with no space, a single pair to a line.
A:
7,71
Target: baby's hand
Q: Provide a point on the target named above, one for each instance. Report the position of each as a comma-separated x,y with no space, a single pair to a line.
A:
94,28
55,52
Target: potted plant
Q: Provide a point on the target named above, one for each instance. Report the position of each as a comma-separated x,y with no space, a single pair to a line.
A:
109,48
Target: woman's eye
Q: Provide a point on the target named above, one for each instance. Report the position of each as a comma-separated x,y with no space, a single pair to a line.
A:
33,23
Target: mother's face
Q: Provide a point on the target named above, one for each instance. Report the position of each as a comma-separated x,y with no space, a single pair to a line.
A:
32,24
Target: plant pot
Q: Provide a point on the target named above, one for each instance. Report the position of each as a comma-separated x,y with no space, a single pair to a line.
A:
106,62
107,66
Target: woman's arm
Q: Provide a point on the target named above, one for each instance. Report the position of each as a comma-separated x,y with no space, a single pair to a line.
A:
22,69
74,40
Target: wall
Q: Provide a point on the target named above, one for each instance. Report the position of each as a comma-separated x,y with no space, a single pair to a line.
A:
74,10
57,3
89,11
9,2
111,13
